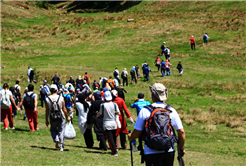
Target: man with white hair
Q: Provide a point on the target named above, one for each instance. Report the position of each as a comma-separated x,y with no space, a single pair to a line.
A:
192,42
163,48
152,156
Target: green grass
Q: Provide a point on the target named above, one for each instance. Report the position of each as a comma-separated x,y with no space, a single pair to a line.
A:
213,80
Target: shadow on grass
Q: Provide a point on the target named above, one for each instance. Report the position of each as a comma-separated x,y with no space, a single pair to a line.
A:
18,129
96,148
54,149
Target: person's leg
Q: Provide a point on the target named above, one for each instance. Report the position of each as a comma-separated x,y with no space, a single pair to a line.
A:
4,117
54,131
147,76
163,72
88,138
126,81
29,114
123,81
102,144
111,137
61,132
131,79
117,142
123,140
10,118
136,80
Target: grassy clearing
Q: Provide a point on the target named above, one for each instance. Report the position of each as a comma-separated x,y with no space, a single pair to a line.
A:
210,96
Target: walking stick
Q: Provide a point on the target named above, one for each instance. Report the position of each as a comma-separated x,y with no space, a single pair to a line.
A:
131,150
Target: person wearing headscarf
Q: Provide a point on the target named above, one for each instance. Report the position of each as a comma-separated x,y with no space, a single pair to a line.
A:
157,62
180,68
124,76
97,121
167,65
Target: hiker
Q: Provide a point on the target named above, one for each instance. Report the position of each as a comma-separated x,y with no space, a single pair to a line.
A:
159,94
205,38
121,132
56,111
167,54
163,48
180,68
25,92
30,102
17,91
79,82
86,78
42,95
192,43
163,67
168,69
139,103
124,76
116,82
146,71
6,107
83,108
121,92
143,66
137,71
110,113
110,83
71,81
56,80
69,86
157,62
102,81
86,86
14,111
68,103
95,84
97,121
30,74
133,75
116,75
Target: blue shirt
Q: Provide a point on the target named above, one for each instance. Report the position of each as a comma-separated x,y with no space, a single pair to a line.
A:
140,104
146,70
163,65
69,102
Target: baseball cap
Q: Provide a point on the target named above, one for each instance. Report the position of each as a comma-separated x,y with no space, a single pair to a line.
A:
97,95
164,42
114,93
79,76
140,95
159,91
53,87
65,90
45,81
107,96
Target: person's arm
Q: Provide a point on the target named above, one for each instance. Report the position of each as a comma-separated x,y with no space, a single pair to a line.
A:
135,134
181,137
46,113
13,102
35,104
65,111
137,99
20,104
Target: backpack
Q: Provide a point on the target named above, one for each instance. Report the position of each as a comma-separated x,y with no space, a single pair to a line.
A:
66,99
43,92
55,113
157,63
122,75
115,73
16,91
29,102
86,78
4,102
132,72
162,47
31,72
158,132
204,37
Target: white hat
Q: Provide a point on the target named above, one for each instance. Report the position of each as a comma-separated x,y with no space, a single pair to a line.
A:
107,96
164,42
54,87
192,36
79,76
114,93
159,91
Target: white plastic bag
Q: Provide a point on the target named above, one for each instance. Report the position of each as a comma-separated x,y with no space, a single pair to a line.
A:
69,131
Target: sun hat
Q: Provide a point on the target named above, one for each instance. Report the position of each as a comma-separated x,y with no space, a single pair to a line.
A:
159,91
53,88
140,95
107,96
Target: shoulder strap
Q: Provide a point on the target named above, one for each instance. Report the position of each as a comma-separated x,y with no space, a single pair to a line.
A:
49,99
150,108
58,98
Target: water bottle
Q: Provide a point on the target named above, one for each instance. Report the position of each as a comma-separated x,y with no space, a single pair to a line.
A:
134,146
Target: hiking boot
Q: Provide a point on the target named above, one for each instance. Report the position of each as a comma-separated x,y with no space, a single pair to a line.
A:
24,118
13,128
57,145
5,128
116,154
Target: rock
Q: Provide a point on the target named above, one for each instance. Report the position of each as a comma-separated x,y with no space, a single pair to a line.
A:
130,20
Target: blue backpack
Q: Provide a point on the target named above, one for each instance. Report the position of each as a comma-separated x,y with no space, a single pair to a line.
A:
204,37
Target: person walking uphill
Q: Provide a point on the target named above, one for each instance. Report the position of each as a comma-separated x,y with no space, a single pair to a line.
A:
124,76
6,108
180,68
163,48
110,110
30,102
192,43
163,68
157,63
56,80
55,116
152,155
123,130
205,38
30,74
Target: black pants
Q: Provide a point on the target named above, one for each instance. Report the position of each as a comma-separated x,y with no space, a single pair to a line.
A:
31,78
118,80
134,79
125,80
158,67
111,137
162,159
88,138
193,46
42,100
102,144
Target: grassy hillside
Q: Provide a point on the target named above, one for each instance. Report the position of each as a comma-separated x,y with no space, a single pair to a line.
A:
210,96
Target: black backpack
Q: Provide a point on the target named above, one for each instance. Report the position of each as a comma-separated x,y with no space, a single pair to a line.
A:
16,91
158,132
66,99
55,113
29,101
122,75
32,72
86,78
43,92
132,72
115,73
162,47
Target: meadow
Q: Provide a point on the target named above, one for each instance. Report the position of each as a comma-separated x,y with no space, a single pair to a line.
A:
209,97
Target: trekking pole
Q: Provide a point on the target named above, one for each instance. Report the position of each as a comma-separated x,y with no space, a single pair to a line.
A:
180,159
131,151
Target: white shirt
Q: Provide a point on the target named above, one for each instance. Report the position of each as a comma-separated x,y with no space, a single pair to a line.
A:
82,117
8,94
29,70
145,114
18,87
168,51
55,98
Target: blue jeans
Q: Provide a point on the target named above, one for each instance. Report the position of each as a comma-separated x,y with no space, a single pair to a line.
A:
147,76
169,72
163,72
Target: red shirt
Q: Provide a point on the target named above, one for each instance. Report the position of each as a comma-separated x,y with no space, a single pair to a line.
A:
192,40
121,104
